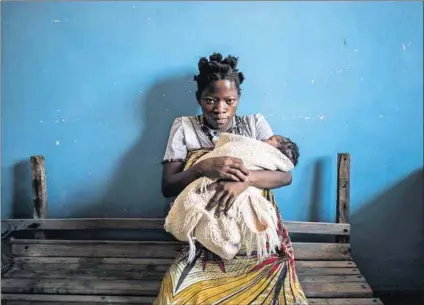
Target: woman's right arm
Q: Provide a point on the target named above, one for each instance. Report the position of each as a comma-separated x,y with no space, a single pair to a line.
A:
174,179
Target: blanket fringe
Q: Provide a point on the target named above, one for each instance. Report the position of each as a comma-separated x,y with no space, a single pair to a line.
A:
267,242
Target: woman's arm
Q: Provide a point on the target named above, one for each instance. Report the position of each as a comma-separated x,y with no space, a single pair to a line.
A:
264,179
174,179
226,192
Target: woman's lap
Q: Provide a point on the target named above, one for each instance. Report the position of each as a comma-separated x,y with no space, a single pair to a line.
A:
243,280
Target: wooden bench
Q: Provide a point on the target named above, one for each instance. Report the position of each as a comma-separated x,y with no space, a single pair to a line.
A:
63,271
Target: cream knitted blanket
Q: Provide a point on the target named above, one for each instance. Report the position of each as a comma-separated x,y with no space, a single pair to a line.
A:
251,222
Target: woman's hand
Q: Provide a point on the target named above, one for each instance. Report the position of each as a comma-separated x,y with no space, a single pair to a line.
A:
224,168
226,193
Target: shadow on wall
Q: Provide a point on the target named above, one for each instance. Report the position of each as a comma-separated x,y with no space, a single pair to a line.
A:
388,237
23,206
316,201
134,190
318,207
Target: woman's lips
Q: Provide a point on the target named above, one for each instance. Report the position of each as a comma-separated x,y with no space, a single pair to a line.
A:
220,119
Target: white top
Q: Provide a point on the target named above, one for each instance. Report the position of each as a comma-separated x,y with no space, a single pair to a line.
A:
190,133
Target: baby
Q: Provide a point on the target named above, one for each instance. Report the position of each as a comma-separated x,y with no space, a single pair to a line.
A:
285,146
252,220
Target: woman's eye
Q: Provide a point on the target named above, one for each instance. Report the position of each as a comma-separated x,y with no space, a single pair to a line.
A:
209,101
231,101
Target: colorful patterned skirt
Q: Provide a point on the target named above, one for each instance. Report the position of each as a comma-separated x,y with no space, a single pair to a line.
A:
243,280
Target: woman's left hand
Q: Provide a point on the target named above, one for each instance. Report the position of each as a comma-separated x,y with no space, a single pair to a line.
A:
226,193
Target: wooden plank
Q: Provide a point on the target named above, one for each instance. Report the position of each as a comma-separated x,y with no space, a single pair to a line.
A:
157,224
87,274
90,267
162,268
338,301
99,264
39,186
321,251
45,299
154,261
337,290
113,261
6,255
353,301
319,228
324,264
97,250
150,288
67,303
76,299
343,191
66,264
304,278
327,271
87,248
147,272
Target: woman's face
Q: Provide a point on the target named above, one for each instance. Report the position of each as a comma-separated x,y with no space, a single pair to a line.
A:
219,104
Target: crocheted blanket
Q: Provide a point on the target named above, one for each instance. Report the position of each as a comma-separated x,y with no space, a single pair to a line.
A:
250,223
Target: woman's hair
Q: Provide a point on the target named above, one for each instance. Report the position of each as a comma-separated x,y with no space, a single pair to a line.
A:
217,68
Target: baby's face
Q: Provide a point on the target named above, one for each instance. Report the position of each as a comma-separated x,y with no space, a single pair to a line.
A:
284,145
276,141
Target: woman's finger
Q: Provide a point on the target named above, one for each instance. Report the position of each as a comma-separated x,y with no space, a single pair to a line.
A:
216,199
231,177
212,202
240,176
222,205
210,205
236,160
241,168
229,204
212,187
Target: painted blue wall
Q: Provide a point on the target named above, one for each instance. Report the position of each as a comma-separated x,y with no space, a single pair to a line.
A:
94,87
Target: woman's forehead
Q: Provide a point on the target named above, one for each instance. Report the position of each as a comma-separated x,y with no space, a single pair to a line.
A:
222,87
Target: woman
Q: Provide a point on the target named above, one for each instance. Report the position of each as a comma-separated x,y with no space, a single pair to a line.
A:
209,279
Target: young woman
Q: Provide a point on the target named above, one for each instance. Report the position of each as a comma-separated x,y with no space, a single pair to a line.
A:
209,279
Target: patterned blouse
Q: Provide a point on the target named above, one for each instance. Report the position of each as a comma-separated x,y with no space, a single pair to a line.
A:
190,133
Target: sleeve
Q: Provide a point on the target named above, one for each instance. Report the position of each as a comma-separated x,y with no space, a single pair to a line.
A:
263,130
176,149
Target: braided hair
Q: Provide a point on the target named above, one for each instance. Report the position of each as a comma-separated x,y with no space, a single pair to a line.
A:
217,68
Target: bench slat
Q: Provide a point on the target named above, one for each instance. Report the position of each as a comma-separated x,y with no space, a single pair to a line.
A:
354,301
43,299
150,288
338,301
134,249
156,224
72,268
153,261
157,272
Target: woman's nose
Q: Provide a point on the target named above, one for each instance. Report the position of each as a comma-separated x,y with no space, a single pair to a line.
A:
221,107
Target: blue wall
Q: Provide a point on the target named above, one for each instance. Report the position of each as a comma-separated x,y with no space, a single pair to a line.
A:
94,87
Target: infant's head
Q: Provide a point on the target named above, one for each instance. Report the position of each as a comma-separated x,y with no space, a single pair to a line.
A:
286,146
